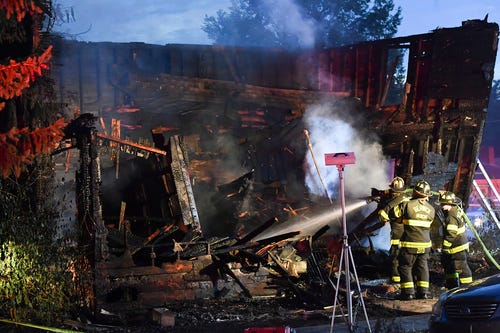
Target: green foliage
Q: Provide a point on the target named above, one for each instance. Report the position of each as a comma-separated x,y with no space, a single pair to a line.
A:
246,24
303,23
344,22
35,282
25,211
33,285
35,279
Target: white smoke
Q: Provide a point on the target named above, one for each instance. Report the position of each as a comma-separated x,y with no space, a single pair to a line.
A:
287,17
331,134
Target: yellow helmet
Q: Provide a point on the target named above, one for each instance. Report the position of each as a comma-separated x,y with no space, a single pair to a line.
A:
422,188
397,184
447,198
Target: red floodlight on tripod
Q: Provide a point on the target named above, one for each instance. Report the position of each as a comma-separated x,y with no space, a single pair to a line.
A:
346,259
340,159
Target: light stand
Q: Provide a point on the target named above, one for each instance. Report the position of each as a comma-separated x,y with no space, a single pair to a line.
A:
346,258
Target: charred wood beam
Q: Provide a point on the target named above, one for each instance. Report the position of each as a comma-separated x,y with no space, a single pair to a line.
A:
236,185
158,235
254,233
132,219
182,182
421,130
273,242
216,91
224,268
368,225
88,180
246,292
232,249
472,165
134,145
319,233
221,243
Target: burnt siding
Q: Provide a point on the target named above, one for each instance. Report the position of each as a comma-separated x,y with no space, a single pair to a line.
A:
448,82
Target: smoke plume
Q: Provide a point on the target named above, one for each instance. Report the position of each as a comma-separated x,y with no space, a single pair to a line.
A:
290,23
330,133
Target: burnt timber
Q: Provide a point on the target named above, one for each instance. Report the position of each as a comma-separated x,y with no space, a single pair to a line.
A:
431,124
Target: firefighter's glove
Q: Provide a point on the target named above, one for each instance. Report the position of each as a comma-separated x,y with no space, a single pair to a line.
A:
375,192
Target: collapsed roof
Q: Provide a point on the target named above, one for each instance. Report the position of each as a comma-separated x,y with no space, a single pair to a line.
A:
235,121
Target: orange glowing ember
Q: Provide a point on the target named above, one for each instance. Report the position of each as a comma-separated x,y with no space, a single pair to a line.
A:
209,128
132,127
103,125
293,211
127,110
180,267
164,129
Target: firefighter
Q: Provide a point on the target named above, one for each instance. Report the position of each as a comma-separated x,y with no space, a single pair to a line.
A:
386,215
416,215
455,244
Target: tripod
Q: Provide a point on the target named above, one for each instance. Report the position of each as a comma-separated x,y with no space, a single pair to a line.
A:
347,260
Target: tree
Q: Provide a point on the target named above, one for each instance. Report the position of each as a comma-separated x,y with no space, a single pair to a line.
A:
303,23
20,98
32,267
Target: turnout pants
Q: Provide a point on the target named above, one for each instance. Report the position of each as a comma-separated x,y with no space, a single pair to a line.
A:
413,263
456,269
393,254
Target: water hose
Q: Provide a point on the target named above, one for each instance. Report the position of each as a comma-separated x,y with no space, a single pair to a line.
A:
45,328
485,249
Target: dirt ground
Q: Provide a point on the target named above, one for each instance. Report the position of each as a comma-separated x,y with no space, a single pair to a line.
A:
223,316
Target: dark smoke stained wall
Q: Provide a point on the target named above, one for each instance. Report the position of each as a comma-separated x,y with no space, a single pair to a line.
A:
89,74
206,91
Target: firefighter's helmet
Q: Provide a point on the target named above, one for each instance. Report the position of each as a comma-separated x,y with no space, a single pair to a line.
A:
447,198
397,184
422,188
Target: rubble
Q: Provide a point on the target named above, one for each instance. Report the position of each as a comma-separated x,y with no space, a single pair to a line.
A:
200,200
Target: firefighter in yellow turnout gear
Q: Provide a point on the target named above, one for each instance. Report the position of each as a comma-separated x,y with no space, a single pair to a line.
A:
386,215
455,243
416,215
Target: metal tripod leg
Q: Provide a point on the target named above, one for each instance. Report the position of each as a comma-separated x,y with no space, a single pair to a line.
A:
347,259
359,290
340,159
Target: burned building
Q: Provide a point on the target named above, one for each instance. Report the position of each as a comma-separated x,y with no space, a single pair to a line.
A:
189,152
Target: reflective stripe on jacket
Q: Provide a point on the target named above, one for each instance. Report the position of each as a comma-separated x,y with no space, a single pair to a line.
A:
454,238
417,215
387,214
